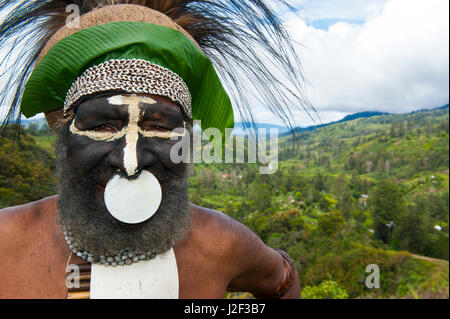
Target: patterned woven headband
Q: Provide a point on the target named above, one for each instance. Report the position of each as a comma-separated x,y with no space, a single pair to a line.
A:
131,76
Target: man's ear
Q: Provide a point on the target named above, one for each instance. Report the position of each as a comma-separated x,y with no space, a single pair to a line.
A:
54,118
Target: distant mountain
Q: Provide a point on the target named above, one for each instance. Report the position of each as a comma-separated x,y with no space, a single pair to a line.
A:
436,108
351,117
347,118
355,116
239,128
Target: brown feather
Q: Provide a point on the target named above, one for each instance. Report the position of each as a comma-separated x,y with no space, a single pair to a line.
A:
244,39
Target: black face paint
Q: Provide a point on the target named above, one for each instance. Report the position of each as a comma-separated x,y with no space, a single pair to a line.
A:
101,136
85,166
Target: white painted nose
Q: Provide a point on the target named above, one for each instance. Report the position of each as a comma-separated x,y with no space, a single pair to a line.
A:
130,161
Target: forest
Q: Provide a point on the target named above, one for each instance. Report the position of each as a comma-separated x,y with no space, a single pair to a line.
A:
367,191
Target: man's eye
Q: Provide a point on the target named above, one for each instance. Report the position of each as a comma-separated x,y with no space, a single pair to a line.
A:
106,128
152,127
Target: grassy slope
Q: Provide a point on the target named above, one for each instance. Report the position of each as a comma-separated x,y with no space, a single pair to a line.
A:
403,275
25,172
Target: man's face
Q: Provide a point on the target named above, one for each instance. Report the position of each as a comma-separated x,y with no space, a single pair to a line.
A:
126,133
120,134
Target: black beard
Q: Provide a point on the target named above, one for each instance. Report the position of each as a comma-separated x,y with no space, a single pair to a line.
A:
91,228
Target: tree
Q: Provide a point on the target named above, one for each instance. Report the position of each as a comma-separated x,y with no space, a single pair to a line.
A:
401,129
331,223
412,233
394,129
388,205
320,182
206,178
409,127
261,195
344,195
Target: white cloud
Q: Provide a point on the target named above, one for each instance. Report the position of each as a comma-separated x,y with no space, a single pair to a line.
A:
397,61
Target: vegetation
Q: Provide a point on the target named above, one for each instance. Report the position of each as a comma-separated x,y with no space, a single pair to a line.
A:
348,195
326,290
26,168
368,191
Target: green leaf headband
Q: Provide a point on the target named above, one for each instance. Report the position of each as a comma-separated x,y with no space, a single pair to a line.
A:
158,47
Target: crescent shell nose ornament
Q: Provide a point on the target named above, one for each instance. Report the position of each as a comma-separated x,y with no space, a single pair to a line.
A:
133,201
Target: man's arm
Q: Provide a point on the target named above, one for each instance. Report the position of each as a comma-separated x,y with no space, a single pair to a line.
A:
261,270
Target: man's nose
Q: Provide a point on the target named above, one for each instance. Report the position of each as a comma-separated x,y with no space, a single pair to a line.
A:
124,156
132,156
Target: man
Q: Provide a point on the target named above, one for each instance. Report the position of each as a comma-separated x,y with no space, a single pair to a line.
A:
120,90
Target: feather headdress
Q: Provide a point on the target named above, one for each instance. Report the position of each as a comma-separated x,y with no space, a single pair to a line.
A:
245,40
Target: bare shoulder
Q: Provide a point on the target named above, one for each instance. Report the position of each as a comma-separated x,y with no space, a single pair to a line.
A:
17,221
33,251
28,212
220,227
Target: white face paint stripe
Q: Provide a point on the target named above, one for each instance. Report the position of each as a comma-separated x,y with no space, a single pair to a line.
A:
110,137
97,136
130,161
165,135
131,131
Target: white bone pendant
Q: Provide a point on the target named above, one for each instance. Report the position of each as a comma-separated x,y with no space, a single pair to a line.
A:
148,279
133,201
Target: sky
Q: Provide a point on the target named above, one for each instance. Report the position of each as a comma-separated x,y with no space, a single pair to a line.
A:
369,55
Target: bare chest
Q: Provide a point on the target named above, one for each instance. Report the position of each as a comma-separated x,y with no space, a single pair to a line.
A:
43,275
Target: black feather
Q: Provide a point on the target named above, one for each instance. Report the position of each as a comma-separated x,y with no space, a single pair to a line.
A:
246,41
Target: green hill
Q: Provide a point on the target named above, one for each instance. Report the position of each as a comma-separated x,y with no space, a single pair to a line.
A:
26,168
348,195
336,190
